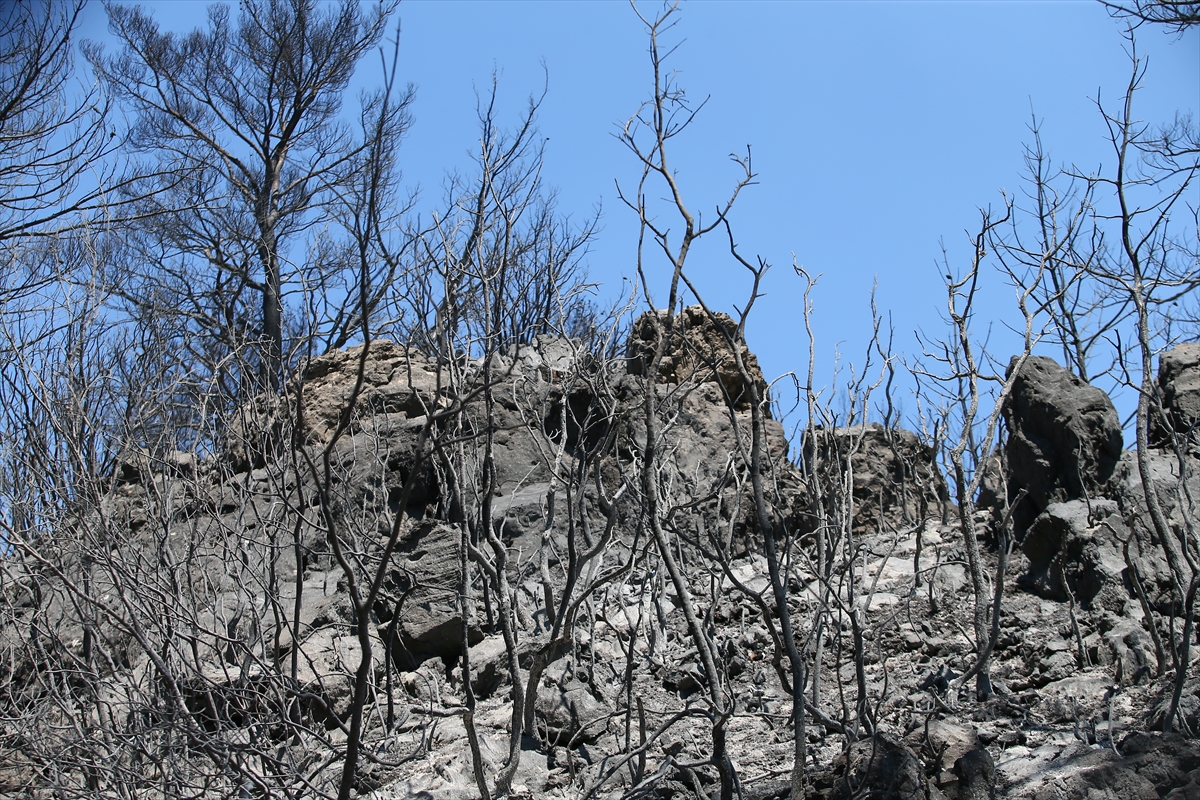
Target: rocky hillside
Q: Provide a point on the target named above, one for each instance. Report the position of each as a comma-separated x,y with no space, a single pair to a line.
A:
554,574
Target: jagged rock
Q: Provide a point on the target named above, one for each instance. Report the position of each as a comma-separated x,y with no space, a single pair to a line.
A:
698,449
943,744
1074,551
249,542
374,464
140,465
549,356
976,773
1188,713
1064,438
328,661
489,666
18,772
395,380
1151,766
1128,646
1179,384
699,350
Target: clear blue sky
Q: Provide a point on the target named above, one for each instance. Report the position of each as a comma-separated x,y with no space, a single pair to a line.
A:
878,129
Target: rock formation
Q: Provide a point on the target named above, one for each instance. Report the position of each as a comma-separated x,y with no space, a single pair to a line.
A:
217,600
1064,438
701,347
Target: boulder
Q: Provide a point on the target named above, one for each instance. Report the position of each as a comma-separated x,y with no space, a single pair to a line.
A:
1128,645
566,710
698,451
945,744
373,464
878,767
1064,438
549,356
328,661
1150,766
700,350
976,772
395,380
1146,549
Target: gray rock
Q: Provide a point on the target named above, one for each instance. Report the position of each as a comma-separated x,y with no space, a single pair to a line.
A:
976,773
896,481
1064,438
1152,766
1179,383
943,744
427,560
1146,550
880,767
1130,648
395,380
489,666
1073,550
697,449
566,710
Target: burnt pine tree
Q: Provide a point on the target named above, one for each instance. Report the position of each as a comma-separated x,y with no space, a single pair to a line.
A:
246,151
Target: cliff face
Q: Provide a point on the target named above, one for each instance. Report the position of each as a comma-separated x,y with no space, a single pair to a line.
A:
412,560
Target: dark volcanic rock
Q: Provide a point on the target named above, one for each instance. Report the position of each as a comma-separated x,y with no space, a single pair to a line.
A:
878,767
427,563
1073,550
1162,473
1064,438
1151,766
566,710
976,773
1179,383
396,380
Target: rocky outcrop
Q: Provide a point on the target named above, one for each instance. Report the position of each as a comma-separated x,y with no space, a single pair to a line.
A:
880,766
567,709
425,583
1081,492
257,639
701,348
1064,438
1143,766
1075,553
1176,497
396,381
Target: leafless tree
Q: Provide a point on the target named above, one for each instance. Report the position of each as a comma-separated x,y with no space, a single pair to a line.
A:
1151,266
647,134
1176,15
247,153
56,137
501,214
963,368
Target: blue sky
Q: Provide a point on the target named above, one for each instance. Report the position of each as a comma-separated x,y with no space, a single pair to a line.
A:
878,130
